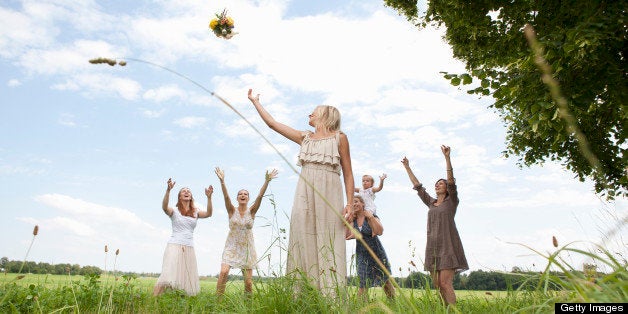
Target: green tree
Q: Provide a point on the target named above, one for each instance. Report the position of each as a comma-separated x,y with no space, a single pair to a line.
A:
417,280
584,41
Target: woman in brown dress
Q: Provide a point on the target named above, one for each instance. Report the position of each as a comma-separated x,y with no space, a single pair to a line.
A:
444,255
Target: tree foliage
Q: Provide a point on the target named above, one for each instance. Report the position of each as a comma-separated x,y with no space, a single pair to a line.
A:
584,41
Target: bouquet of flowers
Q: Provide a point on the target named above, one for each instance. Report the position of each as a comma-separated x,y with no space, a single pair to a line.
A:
222,25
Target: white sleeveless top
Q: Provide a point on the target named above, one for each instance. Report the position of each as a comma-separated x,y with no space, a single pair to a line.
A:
369,199
183,228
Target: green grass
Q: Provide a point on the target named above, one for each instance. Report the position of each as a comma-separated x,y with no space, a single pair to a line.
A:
208,284
65,294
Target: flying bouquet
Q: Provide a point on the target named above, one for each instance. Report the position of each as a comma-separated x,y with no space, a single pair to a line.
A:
222,25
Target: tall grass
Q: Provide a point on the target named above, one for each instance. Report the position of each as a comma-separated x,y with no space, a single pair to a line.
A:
277,294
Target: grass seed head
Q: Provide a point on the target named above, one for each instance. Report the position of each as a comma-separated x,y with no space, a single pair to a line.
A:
554,241
117,251
36,230
106,249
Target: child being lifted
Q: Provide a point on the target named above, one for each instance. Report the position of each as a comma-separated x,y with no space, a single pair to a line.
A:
367,191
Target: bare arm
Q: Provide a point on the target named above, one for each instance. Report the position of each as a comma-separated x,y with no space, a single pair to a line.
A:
406,165
225,193
450,171
376,225
347,171
288,132
208,213
164,204
381,183
258,200
349,217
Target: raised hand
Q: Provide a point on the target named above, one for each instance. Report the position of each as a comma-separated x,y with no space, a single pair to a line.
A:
271,175
220,174
252,98
383,177
171,184
405,162
209,190
446,150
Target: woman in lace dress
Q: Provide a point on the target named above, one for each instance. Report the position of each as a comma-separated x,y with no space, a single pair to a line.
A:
239,249
316,247
179,269
444,254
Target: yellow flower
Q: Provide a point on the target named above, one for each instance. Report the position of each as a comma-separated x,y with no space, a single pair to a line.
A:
229,21
213,23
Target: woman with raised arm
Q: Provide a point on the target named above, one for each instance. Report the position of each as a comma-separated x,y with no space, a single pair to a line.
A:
444,254
316,247
239,249
179,269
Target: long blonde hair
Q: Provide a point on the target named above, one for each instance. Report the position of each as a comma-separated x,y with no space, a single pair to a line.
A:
328,117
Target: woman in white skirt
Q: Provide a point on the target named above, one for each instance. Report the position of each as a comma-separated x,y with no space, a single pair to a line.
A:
179,269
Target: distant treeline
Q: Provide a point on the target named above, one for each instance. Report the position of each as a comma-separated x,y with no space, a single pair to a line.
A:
9,266
474,280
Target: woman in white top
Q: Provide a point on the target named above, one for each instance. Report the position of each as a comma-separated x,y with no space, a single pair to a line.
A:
179,269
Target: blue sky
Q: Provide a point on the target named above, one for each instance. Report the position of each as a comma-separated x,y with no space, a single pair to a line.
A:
87,149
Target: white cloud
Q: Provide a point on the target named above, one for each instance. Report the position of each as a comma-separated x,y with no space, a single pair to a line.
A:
190,122
84,217
152,113
14,83
561,199
19,30
17,169
70,59
67,119
74,226
165,93
102,83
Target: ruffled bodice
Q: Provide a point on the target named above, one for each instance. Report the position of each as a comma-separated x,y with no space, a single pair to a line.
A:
322,151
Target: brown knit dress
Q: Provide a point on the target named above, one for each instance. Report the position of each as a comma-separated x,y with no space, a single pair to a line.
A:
444,248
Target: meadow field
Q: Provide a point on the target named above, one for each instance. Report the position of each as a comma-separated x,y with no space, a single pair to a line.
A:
208,284
113,292
37,293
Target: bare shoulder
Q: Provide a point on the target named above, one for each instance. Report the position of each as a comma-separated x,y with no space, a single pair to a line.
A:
343,136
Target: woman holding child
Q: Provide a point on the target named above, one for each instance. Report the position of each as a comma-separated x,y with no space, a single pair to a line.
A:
370,272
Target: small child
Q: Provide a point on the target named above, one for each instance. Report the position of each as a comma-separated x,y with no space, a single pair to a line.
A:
368,191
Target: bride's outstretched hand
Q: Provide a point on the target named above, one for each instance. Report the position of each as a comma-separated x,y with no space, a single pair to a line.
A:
253,99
